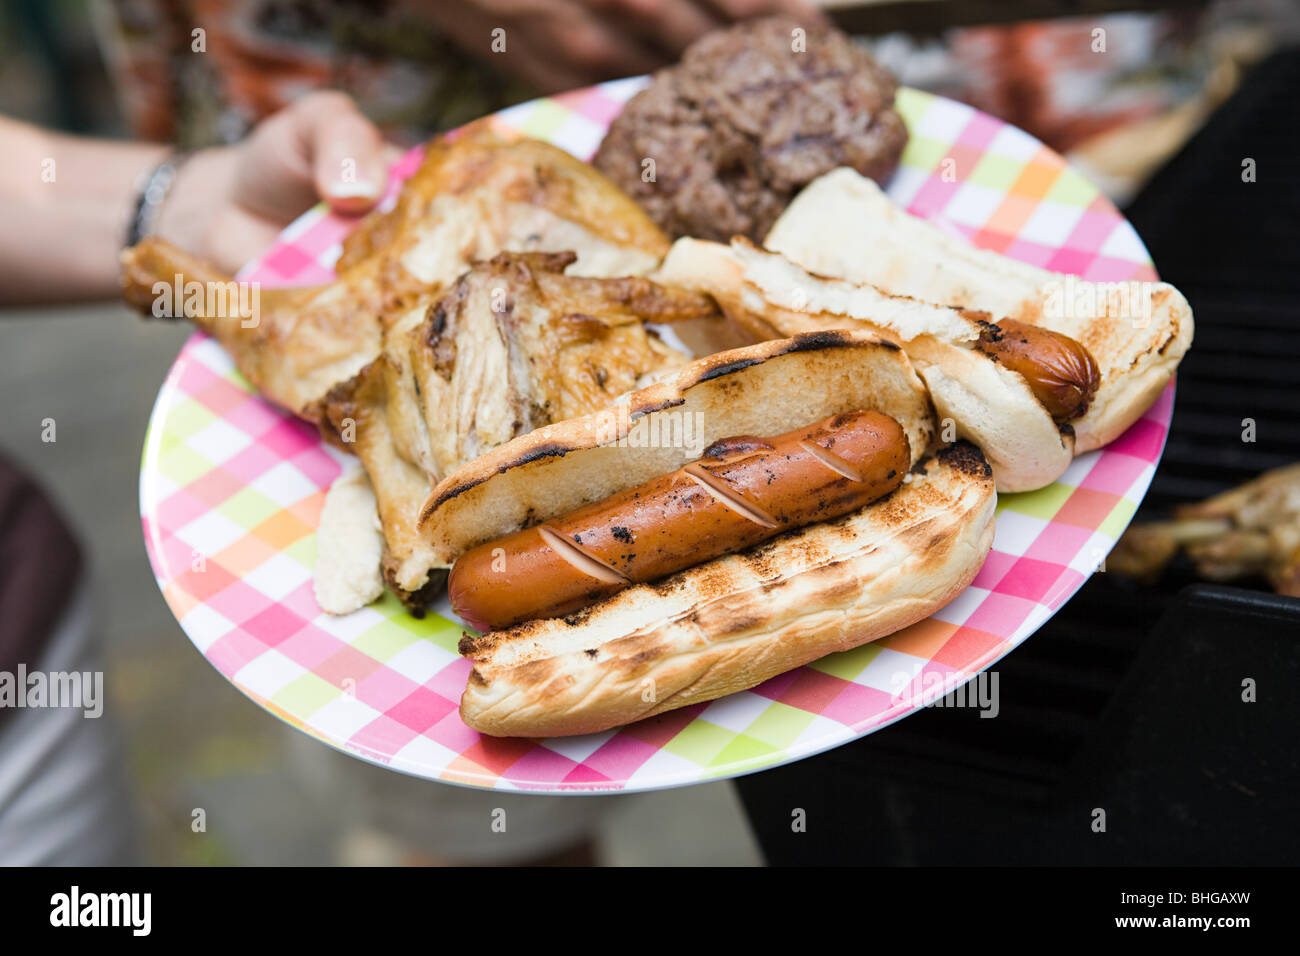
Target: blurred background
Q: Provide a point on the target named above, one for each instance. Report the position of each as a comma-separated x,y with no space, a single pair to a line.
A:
191,739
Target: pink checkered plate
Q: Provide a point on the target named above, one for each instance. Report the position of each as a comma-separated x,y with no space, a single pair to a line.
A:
231,490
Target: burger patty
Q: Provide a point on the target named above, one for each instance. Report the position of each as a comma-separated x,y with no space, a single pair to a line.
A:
719,144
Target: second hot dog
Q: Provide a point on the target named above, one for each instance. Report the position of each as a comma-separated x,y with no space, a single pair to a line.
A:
744,490
1060,371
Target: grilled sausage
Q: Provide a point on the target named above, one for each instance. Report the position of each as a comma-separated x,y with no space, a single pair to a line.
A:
1060,372
744,490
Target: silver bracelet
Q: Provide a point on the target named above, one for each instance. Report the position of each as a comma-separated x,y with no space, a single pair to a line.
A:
153,191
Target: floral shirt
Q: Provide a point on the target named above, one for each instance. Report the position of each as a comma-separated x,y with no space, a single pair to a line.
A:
197,72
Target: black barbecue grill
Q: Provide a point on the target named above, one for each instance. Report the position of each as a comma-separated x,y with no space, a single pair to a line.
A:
1129,699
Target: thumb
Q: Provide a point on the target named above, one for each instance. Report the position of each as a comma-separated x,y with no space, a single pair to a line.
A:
349,160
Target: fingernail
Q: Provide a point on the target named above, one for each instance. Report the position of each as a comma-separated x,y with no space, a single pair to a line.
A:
362,188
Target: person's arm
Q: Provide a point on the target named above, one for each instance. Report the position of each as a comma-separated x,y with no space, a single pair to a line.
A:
67,203
68,200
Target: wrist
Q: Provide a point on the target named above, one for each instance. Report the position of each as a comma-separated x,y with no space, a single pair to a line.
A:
189,211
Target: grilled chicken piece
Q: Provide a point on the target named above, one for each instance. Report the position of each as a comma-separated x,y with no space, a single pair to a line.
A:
1252,529
472,197
297,343
481,193
359,412
515,344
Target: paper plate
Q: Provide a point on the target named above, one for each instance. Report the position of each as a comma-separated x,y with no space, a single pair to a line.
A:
231,490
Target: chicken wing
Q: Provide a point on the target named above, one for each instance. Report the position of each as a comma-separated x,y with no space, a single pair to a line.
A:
291,346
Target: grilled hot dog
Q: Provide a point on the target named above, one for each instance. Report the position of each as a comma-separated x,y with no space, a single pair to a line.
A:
1059,371
744,490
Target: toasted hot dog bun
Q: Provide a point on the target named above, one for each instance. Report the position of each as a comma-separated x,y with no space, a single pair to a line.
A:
843,225
987,403
733,622
762,389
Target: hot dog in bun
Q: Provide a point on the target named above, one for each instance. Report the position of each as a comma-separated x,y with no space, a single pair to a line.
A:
1017,389
615,578
843,225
